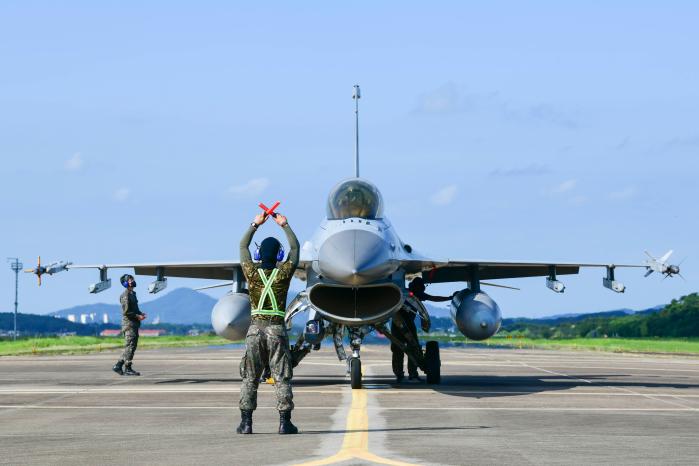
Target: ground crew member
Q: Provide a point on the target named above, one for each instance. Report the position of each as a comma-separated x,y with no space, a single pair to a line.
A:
131,317
267,342
407,331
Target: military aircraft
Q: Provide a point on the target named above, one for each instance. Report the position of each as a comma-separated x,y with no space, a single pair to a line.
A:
355,269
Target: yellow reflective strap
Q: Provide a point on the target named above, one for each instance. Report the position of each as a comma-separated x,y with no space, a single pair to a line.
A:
267,291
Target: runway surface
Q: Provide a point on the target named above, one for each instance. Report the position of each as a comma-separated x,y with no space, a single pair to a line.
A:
494,406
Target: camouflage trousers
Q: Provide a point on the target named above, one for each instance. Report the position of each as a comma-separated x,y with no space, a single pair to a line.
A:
266,344
131,342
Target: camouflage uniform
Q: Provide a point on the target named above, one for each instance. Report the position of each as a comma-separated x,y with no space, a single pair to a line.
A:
267,341
130,323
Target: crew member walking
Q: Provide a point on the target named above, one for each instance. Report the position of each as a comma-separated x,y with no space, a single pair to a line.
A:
131,317
267,342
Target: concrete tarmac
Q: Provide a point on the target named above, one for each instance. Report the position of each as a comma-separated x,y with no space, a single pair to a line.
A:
494,406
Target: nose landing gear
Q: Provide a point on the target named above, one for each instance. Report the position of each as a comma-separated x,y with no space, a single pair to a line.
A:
354,364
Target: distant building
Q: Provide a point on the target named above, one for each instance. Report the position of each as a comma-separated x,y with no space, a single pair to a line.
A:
71,317
110,333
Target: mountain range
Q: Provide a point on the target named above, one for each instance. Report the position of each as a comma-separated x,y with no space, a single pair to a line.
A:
180,306
184,306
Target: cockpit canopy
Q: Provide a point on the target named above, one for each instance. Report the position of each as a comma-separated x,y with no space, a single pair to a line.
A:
355,198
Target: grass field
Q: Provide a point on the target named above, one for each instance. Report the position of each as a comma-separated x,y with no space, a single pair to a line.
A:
617,345
75,345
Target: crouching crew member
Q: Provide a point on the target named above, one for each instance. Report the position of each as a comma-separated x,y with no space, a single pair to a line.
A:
131,317
404,329
267,342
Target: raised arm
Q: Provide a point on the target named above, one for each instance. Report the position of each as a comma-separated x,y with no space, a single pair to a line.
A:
293,244
247,238
293,258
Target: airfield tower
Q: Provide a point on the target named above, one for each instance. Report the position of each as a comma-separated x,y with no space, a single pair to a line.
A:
16,266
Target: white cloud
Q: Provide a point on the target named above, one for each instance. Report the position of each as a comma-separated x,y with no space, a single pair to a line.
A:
445,195
253,187
578,200
121,194
445,99
623,194
74,163
564,187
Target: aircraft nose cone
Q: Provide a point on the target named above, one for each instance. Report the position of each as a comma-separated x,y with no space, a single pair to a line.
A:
355,257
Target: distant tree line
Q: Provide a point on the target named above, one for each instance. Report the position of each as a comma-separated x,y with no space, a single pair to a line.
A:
680,318
30,325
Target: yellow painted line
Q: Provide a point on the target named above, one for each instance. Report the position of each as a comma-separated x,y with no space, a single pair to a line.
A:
355,444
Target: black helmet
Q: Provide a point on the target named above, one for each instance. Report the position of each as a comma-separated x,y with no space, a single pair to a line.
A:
125,280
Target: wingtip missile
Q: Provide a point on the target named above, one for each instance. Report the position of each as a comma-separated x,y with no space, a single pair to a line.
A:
50,269
661,266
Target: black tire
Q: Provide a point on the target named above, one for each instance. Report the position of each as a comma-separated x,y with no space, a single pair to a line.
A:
432,363
356,373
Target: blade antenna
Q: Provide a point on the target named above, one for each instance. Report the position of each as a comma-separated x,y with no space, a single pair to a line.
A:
356,95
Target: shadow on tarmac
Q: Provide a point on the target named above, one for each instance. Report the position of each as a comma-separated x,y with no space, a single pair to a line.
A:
317,380
501,386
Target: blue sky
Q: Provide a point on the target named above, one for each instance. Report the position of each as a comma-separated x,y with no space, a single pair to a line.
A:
543,131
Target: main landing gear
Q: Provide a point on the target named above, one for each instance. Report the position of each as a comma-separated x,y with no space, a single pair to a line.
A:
428,361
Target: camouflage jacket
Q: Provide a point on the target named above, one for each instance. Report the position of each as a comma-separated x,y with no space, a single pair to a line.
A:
285,272
129,310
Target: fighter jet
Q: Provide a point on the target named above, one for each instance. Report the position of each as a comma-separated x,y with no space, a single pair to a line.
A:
355,268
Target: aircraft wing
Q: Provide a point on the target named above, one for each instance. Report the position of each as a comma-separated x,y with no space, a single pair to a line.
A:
464,270
212,270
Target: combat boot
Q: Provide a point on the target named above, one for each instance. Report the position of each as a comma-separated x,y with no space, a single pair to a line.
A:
128,370
245,426
118,367
285,425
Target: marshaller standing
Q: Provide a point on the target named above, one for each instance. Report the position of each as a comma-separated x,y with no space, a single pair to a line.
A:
267,342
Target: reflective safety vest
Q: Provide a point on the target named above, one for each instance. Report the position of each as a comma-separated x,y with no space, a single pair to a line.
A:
267,292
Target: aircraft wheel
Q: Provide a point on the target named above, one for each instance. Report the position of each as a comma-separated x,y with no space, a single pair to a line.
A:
356,373
433,363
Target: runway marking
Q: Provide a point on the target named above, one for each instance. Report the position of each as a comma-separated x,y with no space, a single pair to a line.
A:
378,391
557,373
354,437
518,364
674,403
355,444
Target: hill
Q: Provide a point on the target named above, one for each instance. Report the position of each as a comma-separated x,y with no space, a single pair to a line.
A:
678,319
180,306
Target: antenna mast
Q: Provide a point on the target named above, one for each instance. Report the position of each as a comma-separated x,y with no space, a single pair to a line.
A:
16,266
356,95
